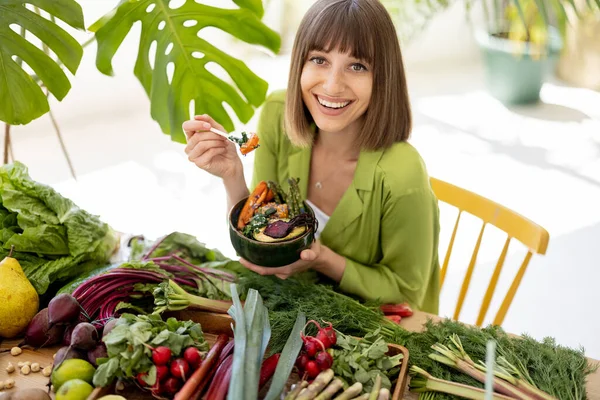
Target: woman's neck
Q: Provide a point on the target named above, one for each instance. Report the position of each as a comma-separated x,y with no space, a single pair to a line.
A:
338,145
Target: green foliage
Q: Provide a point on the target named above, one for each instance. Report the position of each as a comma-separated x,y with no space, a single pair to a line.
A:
21,97
175,32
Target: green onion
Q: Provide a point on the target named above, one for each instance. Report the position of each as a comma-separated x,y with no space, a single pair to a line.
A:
425,383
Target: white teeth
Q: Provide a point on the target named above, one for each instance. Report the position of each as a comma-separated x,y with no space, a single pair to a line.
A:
332,105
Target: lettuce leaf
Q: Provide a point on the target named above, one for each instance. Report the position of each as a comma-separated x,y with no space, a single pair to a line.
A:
51,236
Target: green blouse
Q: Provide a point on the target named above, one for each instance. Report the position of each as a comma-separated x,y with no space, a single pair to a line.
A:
386,225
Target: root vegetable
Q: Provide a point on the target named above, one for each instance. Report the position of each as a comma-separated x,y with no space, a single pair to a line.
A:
312,369
180,368
66,353
324,360
351,392
109,326
292,395
384,394
335,386
193,356
317,386
85,336
161,355
63,310
40,334
98,352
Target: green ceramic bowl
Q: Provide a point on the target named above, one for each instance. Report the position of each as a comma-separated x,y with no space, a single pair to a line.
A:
276,254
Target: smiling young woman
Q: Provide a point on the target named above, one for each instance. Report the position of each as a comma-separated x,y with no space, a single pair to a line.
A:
342,126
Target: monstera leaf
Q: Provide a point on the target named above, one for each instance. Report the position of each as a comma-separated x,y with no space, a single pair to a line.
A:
21,98
175,31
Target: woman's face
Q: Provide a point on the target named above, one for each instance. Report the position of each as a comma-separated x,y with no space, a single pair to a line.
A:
336,89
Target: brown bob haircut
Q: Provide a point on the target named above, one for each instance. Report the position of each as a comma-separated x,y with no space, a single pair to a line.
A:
363,28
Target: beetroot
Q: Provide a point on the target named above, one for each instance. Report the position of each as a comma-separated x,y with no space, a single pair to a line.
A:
67,353
84,337
98,352
280,229
39,333
63,310
66,341
109,326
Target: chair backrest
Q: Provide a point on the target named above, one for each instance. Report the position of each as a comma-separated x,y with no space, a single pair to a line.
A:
530,234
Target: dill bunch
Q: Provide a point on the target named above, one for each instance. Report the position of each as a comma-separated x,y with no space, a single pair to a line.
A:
285,298
555,369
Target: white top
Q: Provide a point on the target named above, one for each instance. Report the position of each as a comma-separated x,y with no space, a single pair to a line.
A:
322,218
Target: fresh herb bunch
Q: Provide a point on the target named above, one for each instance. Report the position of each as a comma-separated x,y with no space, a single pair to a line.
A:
129,346
362,360
557,370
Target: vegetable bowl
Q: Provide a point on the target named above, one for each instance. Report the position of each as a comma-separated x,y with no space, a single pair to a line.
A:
269,237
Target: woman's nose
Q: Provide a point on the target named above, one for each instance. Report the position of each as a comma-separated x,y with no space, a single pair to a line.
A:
334,82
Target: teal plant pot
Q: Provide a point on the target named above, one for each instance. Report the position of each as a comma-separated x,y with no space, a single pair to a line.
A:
516,71
276,254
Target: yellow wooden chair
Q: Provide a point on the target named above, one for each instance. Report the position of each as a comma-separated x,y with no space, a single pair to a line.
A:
533,236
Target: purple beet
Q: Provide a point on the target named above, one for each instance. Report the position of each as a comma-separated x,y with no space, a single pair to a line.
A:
96,353
85,336
109,326
63,310
39,333
66,353
67,335
280,229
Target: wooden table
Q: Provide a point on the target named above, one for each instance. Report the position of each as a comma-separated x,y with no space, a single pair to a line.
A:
215,324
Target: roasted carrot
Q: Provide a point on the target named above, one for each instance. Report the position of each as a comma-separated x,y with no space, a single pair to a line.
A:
250,145
253,202
192,390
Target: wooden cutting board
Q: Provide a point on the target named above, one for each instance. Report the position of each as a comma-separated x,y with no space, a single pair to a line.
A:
33,379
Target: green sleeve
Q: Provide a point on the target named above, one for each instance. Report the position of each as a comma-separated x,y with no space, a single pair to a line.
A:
269,130
408,244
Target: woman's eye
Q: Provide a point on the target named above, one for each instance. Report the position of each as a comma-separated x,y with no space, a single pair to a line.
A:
358,67
317,60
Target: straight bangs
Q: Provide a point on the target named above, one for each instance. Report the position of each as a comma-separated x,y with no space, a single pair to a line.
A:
344,27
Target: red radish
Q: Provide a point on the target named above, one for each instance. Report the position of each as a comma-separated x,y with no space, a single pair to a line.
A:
330,333
312,369
180,368
162,372
161,355
140,379
324,360
171,385
394,318
301,362
193,356
312,346
157,388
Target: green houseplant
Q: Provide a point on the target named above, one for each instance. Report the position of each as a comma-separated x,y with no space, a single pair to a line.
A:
176,76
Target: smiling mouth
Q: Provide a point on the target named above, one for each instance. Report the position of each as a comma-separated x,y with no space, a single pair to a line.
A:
333,105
